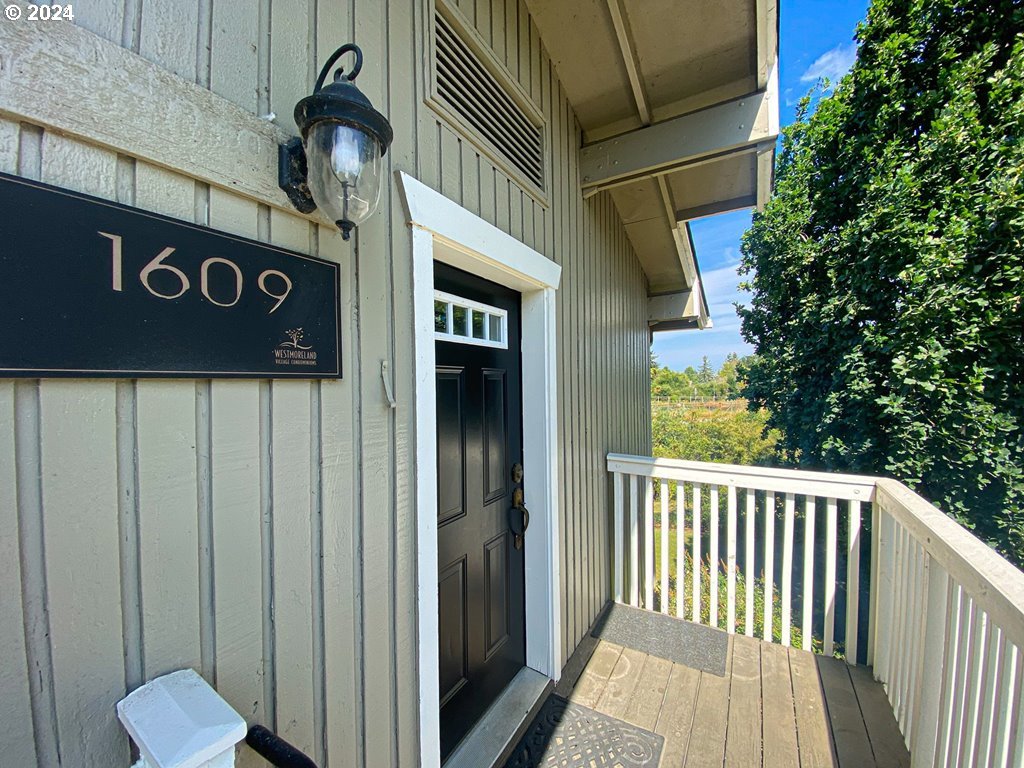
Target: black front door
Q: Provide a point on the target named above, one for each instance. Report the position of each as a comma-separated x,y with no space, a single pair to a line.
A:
479,445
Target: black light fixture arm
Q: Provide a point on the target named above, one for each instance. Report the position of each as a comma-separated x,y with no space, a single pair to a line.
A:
351,76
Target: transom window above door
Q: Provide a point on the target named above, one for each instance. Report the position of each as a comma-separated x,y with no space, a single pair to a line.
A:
464,321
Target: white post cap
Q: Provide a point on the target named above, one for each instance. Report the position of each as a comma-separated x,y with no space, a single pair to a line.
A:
179,721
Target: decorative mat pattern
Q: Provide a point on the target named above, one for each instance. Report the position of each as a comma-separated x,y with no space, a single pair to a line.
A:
566,735
693,645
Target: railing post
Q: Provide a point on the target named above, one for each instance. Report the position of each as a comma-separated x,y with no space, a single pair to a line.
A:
695,564
769,563
787,570
853,582
634,546
619,564
713,557
748,526
831,509
873,586
810,505
680,550
663,603
730,561
648,544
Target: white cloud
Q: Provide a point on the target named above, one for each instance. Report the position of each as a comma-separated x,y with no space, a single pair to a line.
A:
831,65
722,285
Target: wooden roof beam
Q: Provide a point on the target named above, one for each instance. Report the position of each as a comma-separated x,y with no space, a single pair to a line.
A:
713,209
738,125
629,58
767,41
682,310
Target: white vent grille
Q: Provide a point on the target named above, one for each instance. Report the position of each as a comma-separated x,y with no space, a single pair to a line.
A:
475,95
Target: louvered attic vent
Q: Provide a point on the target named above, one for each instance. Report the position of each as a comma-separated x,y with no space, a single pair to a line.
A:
473,93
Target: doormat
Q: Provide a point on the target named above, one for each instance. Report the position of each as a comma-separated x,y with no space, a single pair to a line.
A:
567,735
666,637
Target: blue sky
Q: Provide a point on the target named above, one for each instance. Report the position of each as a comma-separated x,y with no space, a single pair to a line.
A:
815,41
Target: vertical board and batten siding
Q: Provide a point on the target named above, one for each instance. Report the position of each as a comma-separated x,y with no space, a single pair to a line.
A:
262,531
603,341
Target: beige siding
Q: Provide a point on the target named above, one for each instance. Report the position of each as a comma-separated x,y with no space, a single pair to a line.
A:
262,532
603,339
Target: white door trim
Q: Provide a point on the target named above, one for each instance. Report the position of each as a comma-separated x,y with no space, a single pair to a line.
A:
444,231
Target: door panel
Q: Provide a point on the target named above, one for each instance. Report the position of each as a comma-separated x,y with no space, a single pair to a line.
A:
481,579
451,445
451,589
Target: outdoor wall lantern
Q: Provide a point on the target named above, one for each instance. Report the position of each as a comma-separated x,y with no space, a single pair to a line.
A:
336,166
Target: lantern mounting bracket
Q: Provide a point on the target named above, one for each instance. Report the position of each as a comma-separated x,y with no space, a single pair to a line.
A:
291,175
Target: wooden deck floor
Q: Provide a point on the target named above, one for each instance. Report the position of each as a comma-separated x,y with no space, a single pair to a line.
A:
775,707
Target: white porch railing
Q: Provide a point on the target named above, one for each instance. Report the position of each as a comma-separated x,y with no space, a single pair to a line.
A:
944,623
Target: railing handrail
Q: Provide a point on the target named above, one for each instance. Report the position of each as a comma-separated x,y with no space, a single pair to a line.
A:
995,584
798,481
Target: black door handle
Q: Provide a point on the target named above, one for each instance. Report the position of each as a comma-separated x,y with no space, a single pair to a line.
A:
519,519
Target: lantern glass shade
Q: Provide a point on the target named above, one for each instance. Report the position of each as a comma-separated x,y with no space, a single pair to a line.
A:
344,171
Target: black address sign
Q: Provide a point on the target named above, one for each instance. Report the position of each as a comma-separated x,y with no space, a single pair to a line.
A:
94,288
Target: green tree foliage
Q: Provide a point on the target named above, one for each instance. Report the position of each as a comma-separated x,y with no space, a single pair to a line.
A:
888,271
708,433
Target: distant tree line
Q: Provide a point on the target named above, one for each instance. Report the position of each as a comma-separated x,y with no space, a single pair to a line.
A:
701,383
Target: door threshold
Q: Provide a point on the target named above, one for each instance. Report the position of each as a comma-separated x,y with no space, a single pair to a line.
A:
491,740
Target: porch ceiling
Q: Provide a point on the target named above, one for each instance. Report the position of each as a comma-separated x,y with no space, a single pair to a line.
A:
678,104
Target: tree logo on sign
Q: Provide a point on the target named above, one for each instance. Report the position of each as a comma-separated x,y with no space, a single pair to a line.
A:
296,335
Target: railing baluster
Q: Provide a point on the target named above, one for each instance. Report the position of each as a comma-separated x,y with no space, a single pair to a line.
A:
749,525
873,584
853,582
663,603
713,557
680,550
730,561
695,563
899,620
883,590
987,703
910,640
619,565
634,544
787,570
769,563
808,597
969,720
914,631
830,576
1013,751
965,661
999,736
948,700
932,664
648,544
